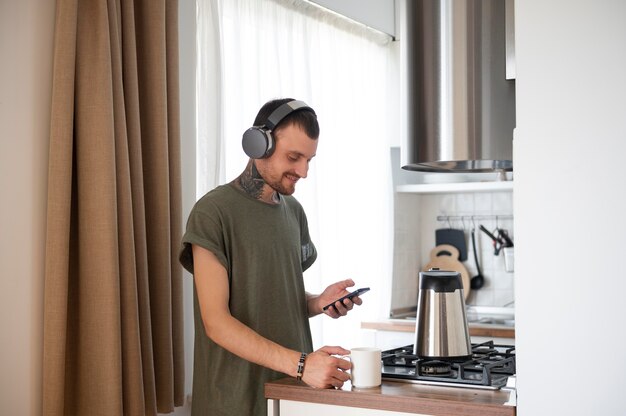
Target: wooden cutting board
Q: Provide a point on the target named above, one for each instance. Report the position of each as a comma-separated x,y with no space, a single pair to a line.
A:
446,257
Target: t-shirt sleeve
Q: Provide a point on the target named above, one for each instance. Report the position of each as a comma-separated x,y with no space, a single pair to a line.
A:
204,230
309,252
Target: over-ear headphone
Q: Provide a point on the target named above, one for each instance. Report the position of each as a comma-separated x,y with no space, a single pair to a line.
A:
258,142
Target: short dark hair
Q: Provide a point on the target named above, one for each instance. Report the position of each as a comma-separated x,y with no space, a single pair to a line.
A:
305,119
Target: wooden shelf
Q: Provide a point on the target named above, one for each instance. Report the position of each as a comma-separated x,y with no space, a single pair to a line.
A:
407,325
439,188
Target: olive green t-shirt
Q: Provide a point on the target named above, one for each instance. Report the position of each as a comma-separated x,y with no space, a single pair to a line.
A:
265,250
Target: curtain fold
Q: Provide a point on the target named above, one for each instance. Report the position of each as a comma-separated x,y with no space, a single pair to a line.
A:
113,296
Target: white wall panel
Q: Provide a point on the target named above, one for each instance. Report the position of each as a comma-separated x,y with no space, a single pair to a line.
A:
569,206
26,38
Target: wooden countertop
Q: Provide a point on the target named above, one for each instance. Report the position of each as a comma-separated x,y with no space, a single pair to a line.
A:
407,325
402,397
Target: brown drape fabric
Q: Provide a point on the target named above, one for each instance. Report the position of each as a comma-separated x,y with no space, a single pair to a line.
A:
113,340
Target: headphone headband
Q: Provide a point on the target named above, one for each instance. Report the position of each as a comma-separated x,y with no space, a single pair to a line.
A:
284,110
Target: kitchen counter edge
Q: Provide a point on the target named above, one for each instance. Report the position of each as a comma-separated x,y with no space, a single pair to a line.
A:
401,397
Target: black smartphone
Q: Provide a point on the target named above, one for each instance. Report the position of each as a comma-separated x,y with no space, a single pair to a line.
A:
357,292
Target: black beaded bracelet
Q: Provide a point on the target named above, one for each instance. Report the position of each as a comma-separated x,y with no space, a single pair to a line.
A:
301,366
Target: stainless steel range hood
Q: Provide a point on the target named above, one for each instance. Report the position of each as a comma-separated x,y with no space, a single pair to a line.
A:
460,108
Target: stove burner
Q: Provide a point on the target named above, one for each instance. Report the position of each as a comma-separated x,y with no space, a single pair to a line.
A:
434,367
489,366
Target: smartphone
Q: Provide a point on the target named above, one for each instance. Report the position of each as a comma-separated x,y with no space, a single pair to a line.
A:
357,292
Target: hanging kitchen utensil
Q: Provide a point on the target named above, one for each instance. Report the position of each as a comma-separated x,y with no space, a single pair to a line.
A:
477,281
454,237
445,257
497,242
503,235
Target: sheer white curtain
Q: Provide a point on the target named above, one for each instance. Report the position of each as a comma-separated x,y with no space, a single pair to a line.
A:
209,153
348,74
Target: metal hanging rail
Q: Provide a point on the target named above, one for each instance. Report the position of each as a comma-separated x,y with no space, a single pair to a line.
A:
473,217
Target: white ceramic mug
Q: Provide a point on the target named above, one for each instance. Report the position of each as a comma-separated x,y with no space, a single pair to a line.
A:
366,367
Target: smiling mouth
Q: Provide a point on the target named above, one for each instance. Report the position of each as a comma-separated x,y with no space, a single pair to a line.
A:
292,178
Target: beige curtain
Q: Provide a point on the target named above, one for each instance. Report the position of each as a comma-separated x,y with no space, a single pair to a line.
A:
113,341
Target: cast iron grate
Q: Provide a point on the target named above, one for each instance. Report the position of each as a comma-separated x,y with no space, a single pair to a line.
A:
490,365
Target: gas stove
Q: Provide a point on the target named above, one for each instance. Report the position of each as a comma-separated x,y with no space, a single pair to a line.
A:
490,366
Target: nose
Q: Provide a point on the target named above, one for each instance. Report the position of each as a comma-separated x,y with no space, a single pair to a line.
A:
302,168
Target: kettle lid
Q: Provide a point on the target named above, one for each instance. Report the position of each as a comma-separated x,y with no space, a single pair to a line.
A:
440,280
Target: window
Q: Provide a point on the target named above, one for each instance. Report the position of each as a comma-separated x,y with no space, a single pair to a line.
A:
349,74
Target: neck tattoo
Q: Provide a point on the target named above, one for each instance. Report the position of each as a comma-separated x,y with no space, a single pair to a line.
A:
251,182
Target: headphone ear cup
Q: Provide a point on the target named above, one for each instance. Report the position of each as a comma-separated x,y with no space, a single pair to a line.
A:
258,143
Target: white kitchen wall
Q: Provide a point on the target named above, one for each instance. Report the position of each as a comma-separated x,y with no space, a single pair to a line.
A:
415,224
26,37
569,149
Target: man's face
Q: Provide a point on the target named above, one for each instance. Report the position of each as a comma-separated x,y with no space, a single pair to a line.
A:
290,160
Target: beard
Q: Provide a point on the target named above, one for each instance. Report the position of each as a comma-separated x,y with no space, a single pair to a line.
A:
283,185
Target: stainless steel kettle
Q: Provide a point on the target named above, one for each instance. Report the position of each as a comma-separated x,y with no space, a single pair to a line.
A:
441,330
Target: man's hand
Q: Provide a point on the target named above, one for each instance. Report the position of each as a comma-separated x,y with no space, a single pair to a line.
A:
334,292
323,370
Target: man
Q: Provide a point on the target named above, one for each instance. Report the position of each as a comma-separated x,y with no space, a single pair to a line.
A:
247,244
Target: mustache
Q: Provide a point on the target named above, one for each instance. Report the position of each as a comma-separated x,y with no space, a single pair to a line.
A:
292,174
